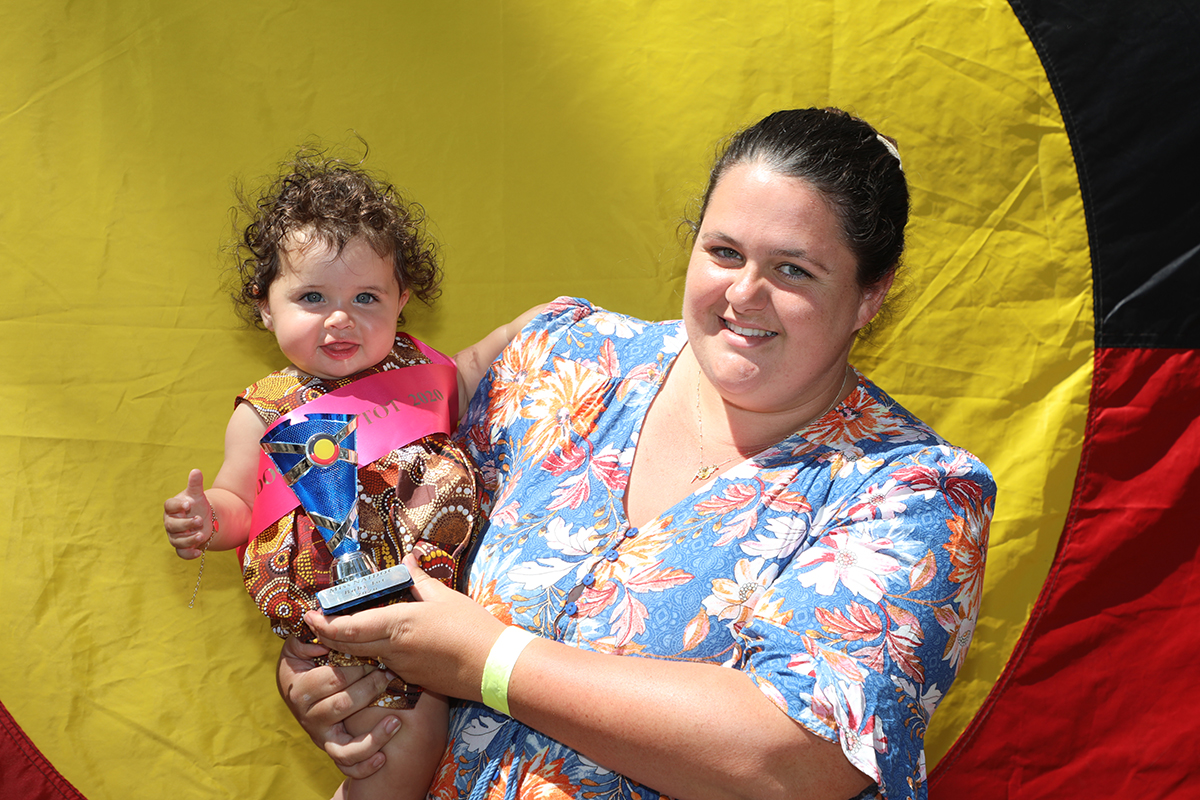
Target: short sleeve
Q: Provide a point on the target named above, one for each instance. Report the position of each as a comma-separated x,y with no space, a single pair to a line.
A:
864,630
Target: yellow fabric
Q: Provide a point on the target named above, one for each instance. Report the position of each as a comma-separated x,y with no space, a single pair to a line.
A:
555,146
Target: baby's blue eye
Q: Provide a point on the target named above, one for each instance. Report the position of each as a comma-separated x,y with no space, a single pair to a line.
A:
366,298
311,297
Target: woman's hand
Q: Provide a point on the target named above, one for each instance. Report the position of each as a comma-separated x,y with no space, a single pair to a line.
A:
321,697
440,642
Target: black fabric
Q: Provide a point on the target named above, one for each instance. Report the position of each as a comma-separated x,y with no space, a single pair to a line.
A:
1126,74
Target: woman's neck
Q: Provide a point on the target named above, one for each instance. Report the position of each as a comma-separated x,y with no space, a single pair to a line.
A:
725,426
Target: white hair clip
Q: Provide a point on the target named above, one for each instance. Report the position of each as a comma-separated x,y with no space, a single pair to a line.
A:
891,148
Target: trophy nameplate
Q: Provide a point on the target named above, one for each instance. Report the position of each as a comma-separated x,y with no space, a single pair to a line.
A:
367,591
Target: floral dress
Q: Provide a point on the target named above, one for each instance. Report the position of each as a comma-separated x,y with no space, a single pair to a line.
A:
841,569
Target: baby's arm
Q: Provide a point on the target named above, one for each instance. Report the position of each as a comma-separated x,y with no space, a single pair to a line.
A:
473,363
188,515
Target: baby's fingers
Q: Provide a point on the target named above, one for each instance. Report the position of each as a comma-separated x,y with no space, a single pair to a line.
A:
178,525
187,554
185,535
361,756
179,505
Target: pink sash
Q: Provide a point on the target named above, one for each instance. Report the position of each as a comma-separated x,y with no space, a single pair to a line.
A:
394,407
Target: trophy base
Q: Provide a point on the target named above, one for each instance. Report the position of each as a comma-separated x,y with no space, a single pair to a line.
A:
367,591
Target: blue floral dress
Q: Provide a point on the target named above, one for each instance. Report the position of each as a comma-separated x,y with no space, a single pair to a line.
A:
840,569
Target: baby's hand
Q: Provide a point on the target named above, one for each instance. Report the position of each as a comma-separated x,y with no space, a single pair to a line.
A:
187,517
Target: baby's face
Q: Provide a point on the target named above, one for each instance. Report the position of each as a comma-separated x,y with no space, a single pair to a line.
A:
333,314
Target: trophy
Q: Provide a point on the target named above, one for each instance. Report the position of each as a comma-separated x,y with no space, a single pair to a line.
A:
316,457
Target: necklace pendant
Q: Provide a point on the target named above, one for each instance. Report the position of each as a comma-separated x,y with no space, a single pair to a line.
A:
704,473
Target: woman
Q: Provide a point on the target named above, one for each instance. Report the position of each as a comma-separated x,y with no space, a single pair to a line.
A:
749,571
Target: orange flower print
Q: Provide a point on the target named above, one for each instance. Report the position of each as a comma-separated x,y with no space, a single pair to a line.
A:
564,404
516,373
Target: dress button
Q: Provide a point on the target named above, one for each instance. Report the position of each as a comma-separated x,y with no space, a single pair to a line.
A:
572,609
632,532
589,579
611,555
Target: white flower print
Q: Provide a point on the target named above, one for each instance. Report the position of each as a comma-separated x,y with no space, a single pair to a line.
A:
850,461
927,701
480,731
673,343
736,599
560,538
861,736
786,534
884,501
616,325
541,574
857,564
959,624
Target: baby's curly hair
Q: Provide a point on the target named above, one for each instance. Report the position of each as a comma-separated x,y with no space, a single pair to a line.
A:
336,201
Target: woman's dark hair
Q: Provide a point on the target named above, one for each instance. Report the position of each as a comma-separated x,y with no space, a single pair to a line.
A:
844,159
335,201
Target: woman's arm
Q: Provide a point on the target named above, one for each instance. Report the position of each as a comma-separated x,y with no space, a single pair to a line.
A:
684,729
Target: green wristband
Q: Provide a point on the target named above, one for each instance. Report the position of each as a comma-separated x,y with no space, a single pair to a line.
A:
498,670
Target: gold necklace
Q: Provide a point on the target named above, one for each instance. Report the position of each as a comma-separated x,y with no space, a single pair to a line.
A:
706,472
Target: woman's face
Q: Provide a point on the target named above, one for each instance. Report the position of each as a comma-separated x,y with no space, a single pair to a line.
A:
772,300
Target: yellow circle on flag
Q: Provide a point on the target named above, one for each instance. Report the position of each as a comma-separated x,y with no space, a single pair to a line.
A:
323,450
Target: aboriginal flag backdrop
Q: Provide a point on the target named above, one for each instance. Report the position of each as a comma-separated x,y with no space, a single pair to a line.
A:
1049,324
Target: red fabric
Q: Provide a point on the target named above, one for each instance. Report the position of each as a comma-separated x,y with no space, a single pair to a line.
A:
24,771
1099,698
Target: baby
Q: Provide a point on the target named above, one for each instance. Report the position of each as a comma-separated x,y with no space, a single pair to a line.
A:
328,261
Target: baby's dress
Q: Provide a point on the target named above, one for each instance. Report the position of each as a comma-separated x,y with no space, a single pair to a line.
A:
423,496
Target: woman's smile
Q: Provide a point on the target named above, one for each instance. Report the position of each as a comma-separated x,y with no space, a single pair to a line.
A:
754,333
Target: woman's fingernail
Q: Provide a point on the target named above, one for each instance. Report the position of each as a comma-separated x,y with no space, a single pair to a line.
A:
392,725
377,760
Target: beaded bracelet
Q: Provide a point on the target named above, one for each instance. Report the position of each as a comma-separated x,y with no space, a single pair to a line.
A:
500,662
